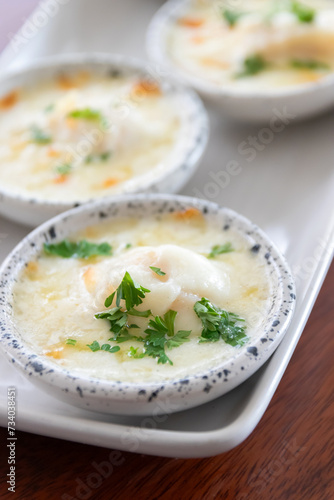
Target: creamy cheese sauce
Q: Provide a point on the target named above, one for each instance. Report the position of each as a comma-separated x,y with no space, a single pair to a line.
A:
83,136
206,45
56,299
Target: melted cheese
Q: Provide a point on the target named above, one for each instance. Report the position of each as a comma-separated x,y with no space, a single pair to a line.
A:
133,134
56,299
203,44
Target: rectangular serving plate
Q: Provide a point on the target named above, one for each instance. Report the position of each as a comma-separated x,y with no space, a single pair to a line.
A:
285,185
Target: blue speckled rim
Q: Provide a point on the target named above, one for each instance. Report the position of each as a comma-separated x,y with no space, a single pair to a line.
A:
196,389
191,144
156,49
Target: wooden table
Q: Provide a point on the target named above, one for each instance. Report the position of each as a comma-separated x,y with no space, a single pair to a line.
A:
288,456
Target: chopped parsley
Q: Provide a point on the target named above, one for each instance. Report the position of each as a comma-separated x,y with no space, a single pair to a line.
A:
94,158
95,346
304,13
157,271
129,291
70,342
133,353
309,64
219,324
85,114
160,335
231,17
128,245
252,66
79,250
64,169
39,136
219,249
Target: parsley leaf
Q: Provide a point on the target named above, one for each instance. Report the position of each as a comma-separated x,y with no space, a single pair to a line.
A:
178,339
80,250
95,346
98,157
219,249
157,270
134,354
64,169
231,17
39,136
49,108
156,340
252,66
86,114
304,13
309,64
219,324
128,290
70,342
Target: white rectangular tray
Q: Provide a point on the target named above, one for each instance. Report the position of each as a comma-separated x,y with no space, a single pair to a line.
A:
287,190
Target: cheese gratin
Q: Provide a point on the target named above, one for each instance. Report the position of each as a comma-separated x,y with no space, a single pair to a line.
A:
83,136
254,45
142,300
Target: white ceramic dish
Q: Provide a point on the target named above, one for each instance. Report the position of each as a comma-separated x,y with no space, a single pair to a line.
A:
303,101
146,398
279,190
179,166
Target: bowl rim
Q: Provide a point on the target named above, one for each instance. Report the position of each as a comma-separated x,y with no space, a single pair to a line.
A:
17,350
156,50
199,122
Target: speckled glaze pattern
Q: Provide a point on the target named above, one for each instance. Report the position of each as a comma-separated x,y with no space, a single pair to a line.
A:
298,102
148,398
180,165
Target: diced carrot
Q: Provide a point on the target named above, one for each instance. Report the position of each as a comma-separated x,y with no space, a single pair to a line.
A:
9,100
53,153
188,213
60,179
110,182
146,88
191,22
55,353
71,123
65,82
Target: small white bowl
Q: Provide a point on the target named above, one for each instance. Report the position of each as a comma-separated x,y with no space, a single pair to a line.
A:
151,397
292,103
180,165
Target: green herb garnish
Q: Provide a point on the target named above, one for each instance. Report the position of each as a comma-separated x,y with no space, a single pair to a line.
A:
39,136
129,291
70,342
95,346
219,324
86,114
80,250
133,353
128,245
95,158
309,64
157,271
231,17
64,169
252,66
219,249
160,334
304,13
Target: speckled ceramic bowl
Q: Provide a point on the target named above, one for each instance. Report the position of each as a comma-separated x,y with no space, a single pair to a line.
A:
179,167
146,398
290,103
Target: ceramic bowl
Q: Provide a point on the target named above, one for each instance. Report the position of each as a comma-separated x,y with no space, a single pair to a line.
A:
179,167
293,103
145,398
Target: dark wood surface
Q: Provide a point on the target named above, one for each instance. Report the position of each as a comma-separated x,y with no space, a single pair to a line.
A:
288,456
